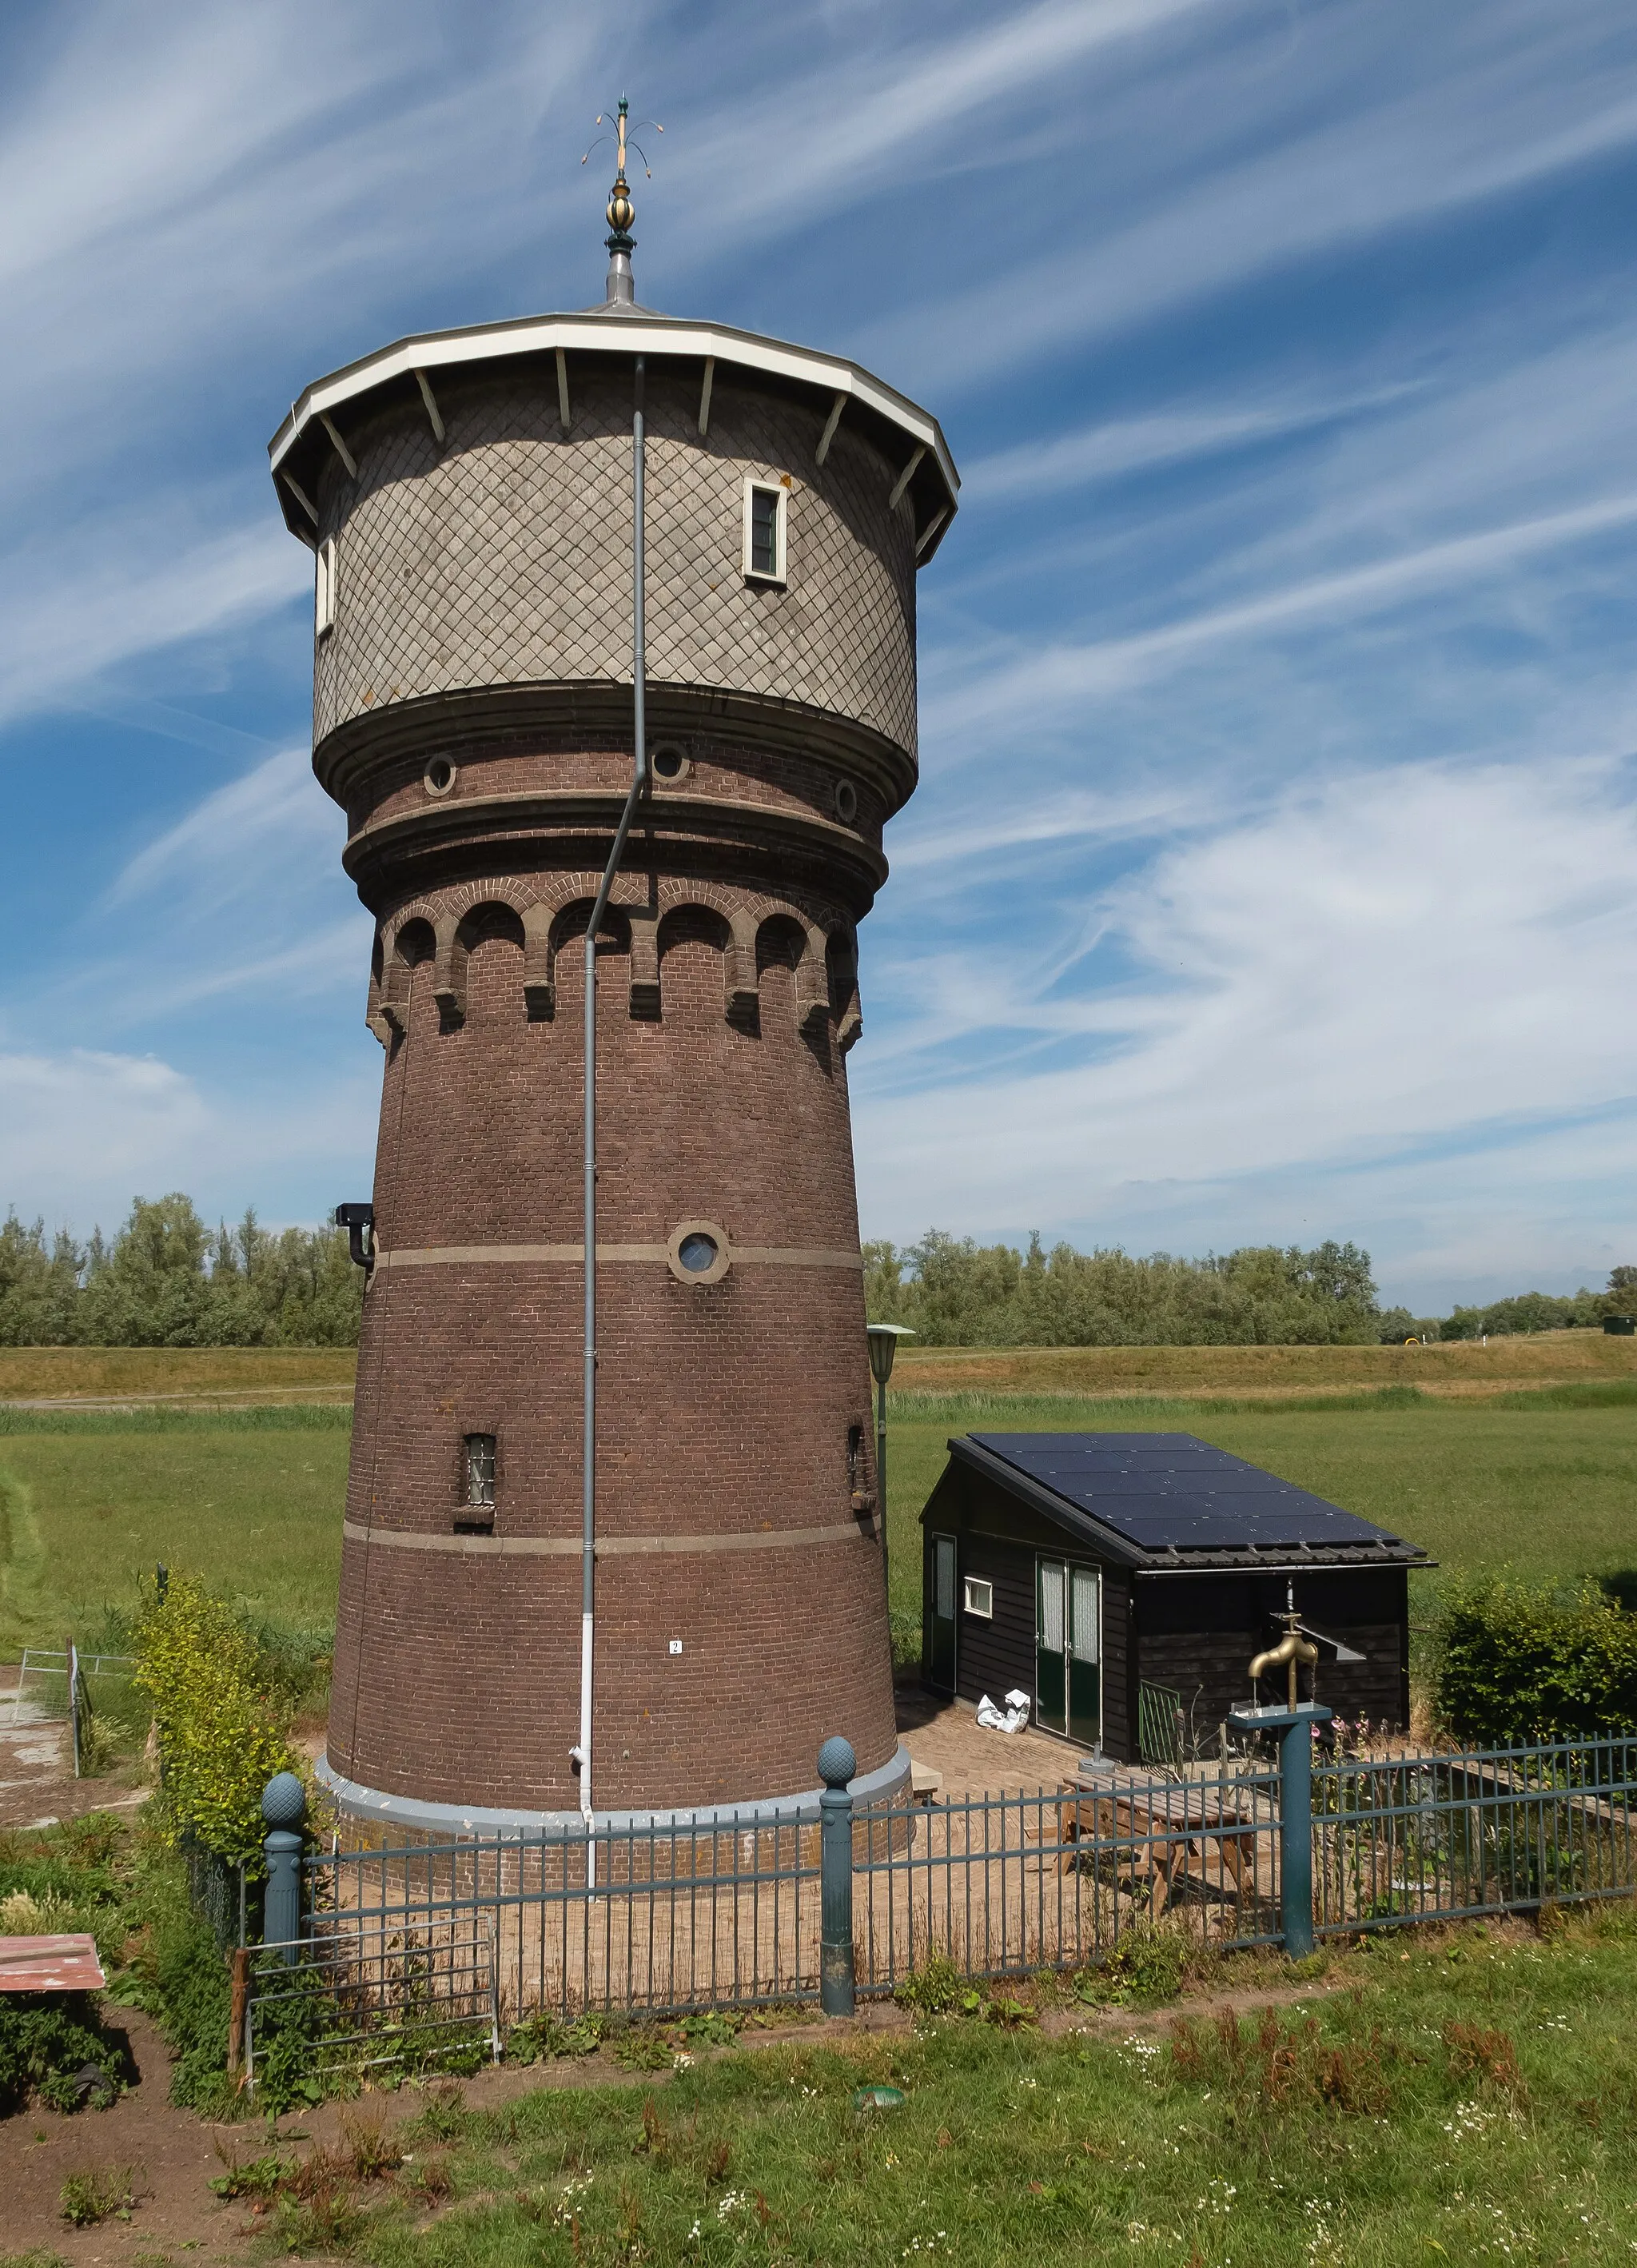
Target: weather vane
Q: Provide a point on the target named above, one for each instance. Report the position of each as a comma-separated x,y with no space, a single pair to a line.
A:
622,211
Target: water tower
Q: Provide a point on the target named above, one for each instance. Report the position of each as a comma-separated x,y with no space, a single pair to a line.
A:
661,1593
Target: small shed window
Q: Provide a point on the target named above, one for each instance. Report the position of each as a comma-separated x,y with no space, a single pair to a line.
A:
765,509
324,589
979,1598
480,1472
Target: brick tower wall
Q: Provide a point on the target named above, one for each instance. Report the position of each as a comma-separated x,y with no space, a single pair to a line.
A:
483,624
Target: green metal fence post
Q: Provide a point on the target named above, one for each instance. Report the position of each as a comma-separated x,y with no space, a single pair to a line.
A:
837,1764
284,1808
1293,1728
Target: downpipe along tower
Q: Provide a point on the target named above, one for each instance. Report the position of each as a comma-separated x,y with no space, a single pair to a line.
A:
527,534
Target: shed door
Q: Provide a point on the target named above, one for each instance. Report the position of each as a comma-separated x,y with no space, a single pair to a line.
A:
1085,1650
1051,1668
941,1668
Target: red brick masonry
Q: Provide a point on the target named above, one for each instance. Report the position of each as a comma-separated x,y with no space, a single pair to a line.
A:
736,1480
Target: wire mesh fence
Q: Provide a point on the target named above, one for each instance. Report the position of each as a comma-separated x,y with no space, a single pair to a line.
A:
358,1995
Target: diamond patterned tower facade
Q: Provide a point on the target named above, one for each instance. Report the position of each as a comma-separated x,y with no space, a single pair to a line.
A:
469,499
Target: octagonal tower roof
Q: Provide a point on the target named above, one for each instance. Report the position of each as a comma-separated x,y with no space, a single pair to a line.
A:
410,369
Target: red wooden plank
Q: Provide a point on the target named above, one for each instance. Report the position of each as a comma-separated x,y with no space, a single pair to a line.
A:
51,1964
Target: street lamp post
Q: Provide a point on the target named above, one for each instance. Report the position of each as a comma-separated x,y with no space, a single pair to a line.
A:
884,1338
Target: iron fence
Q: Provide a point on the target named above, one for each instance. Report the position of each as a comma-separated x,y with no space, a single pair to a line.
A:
650,1919
655,1920
1004,1885
1437,1837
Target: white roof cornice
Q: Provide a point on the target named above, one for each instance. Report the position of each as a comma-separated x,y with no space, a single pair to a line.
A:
615,334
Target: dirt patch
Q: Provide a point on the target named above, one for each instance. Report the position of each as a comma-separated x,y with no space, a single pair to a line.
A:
37,1782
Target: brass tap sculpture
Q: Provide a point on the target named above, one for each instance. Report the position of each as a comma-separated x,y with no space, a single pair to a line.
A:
1291,1649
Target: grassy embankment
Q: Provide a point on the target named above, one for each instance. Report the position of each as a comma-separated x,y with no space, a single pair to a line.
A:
1523,1454
1462,2096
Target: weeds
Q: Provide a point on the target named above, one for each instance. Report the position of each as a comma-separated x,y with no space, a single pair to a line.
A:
1475,2053
100,2193
545,2036
432,2182
1145,1966
373,2150
249,2178
1269,2066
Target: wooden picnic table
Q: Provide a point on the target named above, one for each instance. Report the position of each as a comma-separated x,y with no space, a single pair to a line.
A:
1161,1823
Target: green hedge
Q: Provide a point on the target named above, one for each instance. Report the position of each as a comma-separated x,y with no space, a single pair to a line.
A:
1516,1664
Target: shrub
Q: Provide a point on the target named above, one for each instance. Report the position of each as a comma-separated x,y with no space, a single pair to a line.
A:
52,2044
219,1730
1521,1665
934,1989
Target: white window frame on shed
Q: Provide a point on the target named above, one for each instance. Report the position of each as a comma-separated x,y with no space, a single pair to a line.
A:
324,589
758,484
978,1598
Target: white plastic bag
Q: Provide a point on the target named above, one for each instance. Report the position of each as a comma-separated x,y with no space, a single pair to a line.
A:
1012,1718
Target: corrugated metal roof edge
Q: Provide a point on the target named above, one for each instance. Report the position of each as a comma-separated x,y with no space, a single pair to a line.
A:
1282,1559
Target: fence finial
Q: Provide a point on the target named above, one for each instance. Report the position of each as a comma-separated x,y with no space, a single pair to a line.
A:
284,1808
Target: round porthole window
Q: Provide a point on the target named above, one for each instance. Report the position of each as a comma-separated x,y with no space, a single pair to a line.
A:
846,802
698,1252
439,776
670,762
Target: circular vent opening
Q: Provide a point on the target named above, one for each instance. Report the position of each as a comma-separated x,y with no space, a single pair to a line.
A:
669,762
439,776
846,802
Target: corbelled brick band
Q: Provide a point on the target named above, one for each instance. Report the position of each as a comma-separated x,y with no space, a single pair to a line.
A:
472,712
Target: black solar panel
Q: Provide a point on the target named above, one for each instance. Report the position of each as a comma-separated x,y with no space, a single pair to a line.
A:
1164,1489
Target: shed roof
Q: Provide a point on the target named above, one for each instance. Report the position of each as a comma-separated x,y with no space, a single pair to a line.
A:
1166,1501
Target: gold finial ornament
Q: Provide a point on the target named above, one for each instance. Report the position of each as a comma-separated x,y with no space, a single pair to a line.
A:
620,210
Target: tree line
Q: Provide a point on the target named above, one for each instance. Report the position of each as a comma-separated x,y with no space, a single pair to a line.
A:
165,1279
953,1291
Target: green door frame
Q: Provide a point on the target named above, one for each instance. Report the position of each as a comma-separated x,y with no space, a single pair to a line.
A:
1068,1684
944,1629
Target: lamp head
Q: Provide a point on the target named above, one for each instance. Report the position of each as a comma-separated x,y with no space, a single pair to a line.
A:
884,1338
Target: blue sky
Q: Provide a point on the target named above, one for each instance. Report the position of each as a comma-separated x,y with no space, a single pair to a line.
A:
1271,876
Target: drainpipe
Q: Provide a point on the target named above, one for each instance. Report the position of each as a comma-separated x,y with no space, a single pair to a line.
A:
639,786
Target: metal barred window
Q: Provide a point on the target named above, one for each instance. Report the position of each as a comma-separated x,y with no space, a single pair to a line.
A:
480,1471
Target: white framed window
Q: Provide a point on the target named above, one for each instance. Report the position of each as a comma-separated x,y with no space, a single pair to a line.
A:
324,589
978,1598
766,509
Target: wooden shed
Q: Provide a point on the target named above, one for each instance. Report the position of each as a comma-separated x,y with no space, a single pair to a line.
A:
1124,1580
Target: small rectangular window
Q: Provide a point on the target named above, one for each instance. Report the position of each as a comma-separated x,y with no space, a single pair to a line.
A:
765,503
480,1472
324,589
979,1598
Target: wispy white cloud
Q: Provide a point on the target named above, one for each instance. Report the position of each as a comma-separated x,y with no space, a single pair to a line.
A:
1424,956
1064,676
129,584
1131,445
220,848
85,1130
1344,150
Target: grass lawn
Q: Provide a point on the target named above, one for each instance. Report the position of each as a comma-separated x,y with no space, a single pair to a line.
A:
249,1500
1468,2096
1519,1481
1540,1477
